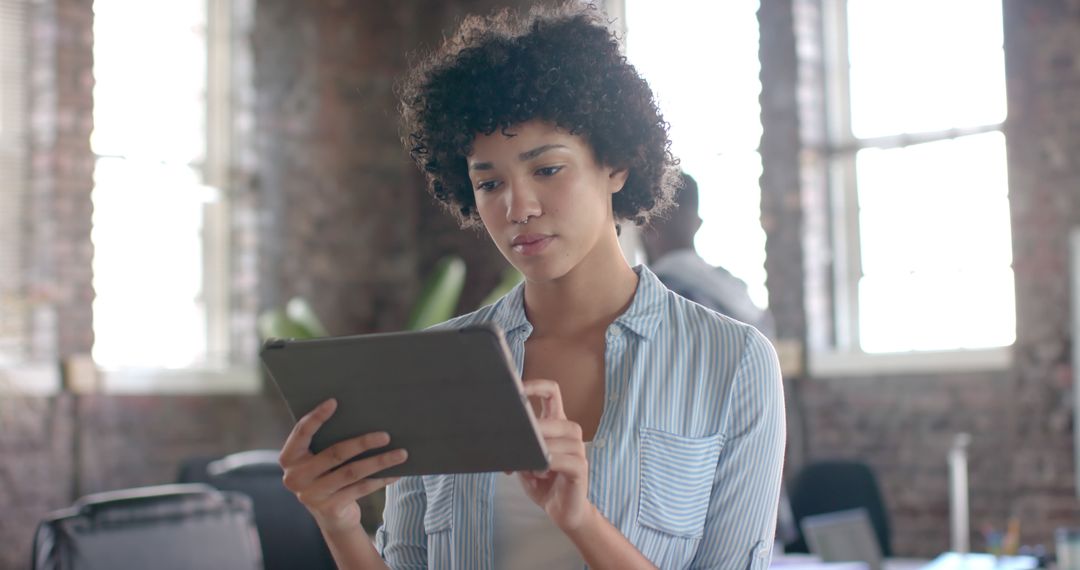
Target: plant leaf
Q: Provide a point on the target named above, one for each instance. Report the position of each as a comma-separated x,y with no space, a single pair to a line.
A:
300,312
510,278
274,323
440,294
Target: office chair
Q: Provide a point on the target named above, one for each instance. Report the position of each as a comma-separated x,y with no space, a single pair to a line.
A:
167,527
831,486
289,536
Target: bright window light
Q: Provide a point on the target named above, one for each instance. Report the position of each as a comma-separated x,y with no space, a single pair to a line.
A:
701,60
936,246
925,65
149,134
934,237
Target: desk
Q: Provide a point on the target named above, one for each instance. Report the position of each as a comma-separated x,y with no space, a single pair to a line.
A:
947,561
811,562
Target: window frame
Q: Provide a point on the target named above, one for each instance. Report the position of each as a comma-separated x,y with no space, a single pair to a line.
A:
220,373
845,357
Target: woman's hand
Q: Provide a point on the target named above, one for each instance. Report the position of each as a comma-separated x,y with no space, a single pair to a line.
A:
563,490
327,488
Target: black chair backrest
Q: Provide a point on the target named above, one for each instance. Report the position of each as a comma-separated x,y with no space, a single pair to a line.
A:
167,527
831,486
289,535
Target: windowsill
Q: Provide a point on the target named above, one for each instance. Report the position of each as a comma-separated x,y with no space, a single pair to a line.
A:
29,379
44,379
204,380
847,364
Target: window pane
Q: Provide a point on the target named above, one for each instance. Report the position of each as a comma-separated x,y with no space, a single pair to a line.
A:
925,65
936,246
714,114
150,65
944,310
150,79
147,264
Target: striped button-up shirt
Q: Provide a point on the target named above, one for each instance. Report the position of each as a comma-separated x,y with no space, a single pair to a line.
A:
686,461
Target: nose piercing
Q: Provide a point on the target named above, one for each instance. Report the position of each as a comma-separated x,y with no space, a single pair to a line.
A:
525,221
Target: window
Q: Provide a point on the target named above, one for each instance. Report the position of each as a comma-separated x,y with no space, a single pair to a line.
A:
161,110
918,170
714,115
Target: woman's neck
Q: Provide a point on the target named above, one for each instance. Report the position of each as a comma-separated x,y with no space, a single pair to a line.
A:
591,295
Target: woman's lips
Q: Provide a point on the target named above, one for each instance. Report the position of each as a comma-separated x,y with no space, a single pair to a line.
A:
531,244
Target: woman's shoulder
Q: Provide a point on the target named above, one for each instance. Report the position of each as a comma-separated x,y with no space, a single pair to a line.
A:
690,323
689,314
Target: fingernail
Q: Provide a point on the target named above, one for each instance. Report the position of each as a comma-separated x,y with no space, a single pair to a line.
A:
382,438
402,455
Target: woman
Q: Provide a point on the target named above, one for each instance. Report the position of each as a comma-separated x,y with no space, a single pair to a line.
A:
664,420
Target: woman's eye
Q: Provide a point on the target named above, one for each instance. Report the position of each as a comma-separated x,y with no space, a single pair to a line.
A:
548,170
487,186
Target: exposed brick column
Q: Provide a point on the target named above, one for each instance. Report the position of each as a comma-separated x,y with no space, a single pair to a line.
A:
1042,40
61,178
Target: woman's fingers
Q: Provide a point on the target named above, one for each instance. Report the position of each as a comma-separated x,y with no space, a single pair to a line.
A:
552,429
567,446
301,475
350,474
359,490
570,464
299,440
343,451
550,397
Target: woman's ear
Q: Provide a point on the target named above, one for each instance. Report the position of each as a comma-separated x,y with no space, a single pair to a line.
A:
617,179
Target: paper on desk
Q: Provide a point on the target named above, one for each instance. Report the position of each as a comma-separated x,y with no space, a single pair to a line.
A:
954,561
787,562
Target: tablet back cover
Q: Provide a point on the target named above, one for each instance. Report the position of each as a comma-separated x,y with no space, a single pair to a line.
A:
449,397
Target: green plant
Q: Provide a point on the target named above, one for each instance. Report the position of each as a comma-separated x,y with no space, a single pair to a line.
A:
440,294
296,320
510,278
436,303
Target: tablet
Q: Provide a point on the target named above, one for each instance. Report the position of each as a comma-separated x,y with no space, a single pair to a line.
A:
450,397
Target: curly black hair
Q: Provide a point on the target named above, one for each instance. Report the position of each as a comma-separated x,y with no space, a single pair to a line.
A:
557,64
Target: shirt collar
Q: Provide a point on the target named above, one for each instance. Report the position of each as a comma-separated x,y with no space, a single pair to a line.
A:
642,317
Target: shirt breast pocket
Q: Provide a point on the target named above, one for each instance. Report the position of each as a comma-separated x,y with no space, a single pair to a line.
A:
677,474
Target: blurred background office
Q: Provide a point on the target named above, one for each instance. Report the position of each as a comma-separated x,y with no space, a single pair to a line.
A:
895,181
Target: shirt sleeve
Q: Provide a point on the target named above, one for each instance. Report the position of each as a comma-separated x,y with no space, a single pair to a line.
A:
401,539
740,525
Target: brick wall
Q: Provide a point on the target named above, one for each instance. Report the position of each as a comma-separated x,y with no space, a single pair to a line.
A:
328,206
333,178
1042,43
61,176
1021,458
324,203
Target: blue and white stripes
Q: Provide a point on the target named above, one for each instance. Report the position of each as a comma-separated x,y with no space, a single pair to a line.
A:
686,461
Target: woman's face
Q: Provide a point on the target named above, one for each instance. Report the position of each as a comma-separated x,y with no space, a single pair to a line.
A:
545,175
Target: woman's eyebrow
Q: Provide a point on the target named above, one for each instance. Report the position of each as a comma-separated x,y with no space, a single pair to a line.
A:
531,154
527,155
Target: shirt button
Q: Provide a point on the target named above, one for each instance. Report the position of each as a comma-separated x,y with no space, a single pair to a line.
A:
598,443
616,330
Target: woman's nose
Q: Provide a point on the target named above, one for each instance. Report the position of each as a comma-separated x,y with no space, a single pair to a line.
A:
522,202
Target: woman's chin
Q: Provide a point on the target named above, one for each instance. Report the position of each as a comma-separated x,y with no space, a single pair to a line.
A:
538,271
